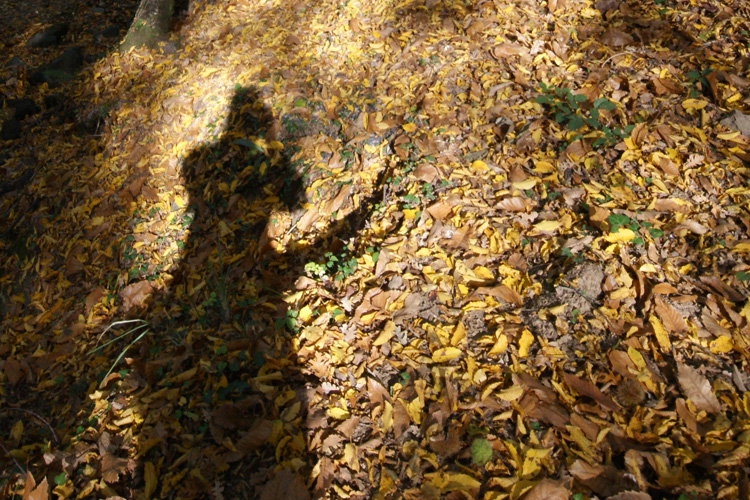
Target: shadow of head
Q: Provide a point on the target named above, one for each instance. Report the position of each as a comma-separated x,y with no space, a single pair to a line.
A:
235,186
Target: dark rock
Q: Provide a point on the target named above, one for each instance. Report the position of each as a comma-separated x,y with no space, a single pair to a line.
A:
11,129
60,69
110,32
70,61
49,37
15,62
24,108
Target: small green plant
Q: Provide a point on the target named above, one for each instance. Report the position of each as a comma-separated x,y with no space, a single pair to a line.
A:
481,451
336,267
565,108
288,321
617,221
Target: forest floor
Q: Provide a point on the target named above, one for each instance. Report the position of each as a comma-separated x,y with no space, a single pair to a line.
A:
379,249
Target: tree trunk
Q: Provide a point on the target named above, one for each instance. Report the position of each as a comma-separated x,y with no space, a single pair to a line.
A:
150,25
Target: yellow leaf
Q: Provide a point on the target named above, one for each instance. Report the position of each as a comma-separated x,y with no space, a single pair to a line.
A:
97,220
338,413
544,167
371,149
500,346
547,226
409,127
385,335
511,393
524,185
305,314
387,417
637,358
694,104
16,431
532,462
410,213
414,409
662,337
479,166
743,247
149,472
484,273
445,354
622,235
527,338
721,345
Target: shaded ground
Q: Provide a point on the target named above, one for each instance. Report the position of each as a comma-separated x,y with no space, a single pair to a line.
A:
377,250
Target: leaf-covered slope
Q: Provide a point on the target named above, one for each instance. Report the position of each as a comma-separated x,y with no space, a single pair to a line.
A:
385,249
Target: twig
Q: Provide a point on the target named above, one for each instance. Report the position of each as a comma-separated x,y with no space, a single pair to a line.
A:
20,468
39,417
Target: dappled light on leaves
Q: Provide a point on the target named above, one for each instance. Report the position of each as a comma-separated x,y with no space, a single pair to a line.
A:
378,249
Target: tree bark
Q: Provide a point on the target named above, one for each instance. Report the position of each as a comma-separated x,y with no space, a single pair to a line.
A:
150,25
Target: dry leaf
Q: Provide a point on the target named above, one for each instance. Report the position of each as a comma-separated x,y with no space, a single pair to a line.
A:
136,294
697,389
548,489
285,485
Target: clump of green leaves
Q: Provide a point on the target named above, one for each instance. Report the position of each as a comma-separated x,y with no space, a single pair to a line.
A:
481,451
566,109
616,221
337,267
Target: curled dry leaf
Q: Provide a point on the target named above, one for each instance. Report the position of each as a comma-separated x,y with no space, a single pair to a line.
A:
514,204
136,294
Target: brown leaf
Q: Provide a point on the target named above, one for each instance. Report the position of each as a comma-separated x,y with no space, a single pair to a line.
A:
663,86
697,388
449,445
672,319
514,204
426,172
727,291
664,289
13,371
586,388
93,298
503,293
41,492
548,489
135,294
440,210
285,485
604,480
615,38
252,439
630,495
505,50
113,467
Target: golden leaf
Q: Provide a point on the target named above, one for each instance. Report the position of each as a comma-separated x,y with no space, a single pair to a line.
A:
527,338
445,354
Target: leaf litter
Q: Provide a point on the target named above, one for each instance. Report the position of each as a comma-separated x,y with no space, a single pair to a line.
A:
384,249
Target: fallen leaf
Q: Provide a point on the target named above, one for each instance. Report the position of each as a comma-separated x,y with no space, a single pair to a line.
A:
697,389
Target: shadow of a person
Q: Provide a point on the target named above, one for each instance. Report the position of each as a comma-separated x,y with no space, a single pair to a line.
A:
219,330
